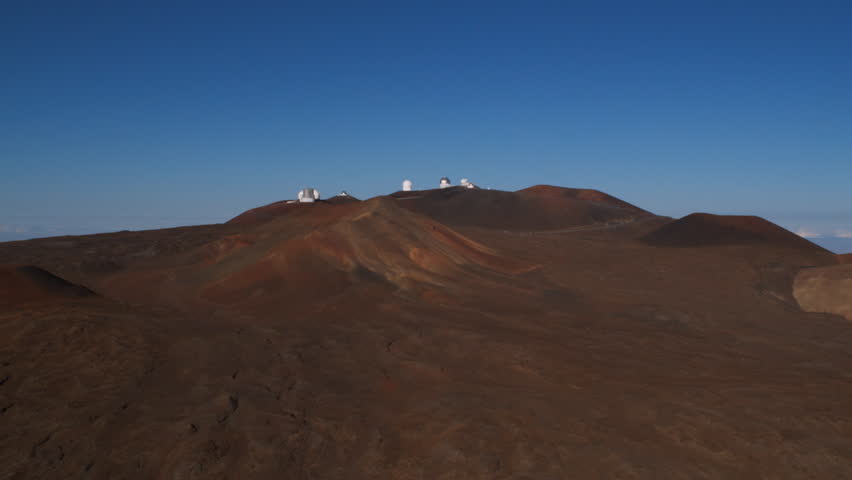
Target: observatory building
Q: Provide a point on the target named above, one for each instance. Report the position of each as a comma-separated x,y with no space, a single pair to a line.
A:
343,193
406,185
445,183
308,195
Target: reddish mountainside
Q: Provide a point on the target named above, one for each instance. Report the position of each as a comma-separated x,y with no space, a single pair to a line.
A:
341,199
285,207
317,252
594,197
541,207
26,284
845,258
704,229
365,340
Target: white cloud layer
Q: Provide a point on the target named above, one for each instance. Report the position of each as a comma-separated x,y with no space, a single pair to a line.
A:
843,233
806,233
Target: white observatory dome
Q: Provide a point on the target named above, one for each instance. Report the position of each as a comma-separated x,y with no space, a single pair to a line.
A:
406,185
445,182
308,195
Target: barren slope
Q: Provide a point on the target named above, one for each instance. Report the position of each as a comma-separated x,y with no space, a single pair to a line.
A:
826,289
317,253
284,207
369,341
536,208
700,229
24,284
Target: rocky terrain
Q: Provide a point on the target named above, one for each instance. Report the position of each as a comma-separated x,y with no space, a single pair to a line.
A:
546,333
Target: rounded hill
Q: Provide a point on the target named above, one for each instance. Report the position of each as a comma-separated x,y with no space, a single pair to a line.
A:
20,284
705,229
542,207
273,210
319,252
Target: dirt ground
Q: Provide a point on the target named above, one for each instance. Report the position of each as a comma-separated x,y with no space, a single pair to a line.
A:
372,340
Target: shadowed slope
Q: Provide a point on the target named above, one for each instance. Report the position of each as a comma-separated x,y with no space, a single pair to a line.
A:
541,207
82,258
704,229
26,284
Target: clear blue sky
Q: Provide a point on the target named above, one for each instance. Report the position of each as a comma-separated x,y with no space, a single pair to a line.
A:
121,116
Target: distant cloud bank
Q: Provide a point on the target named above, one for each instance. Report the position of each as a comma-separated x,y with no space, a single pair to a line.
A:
806,233
837,240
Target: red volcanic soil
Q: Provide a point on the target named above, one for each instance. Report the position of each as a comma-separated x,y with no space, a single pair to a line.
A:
268,212
541,207
594,197
341,199
702,229
26,284
373,340
844,258
285,207
298,261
